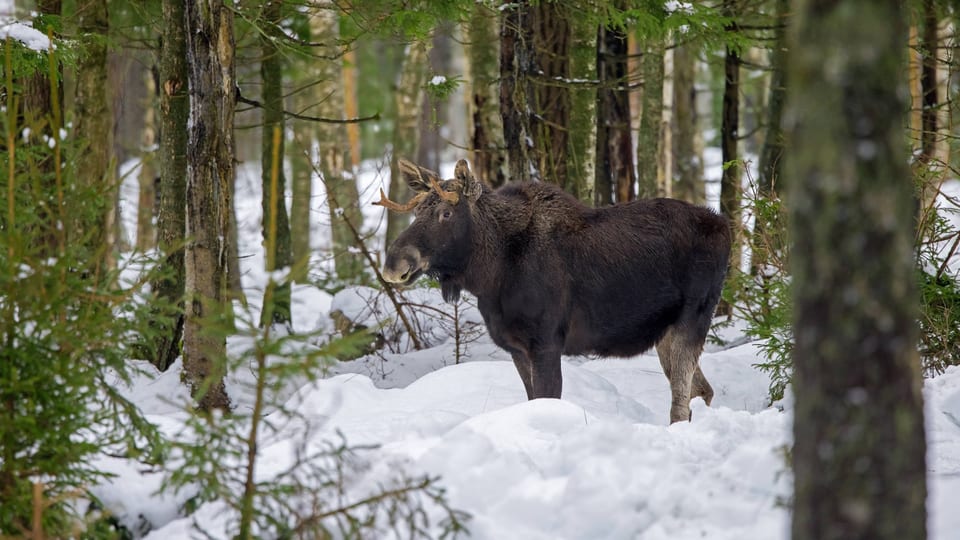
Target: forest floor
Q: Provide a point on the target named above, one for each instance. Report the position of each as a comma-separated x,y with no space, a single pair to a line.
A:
601,463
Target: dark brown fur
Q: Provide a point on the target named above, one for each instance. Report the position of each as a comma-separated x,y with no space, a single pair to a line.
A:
553,276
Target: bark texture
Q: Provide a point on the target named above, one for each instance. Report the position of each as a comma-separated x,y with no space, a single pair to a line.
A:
486,140
210,173
649,138
276,222
171,216
343,200
687,148
409,97
859,451
615,175
730,188
93,122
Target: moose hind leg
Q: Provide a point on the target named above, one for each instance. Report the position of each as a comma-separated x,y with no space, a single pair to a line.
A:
679,357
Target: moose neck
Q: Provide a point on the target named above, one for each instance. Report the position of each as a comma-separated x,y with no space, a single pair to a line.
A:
495,219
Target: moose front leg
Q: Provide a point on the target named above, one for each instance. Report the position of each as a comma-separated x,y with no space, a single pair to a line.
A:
547,379
525,370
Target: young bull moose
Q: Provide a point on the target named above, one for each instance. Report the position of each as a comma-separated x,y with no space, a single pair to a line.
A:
553,276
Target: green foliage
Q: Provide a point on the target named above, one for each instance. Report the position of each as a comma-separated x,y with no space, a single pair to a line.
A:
217,457
939,322
66,325
762,297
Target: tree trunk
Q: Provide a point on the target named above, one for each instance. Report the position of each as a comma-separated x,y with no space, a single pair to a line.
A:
615,177
343,200
730,189
687,154
516,57
93,122
859,448
351,107
649,141
210,173
301,168
409,96
486,140
146,235
275,224
171,216
550,115
583,126
771,155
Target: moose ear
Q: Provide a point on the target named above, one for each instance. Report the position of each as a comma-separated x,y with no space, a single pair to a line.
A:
416,176
470,186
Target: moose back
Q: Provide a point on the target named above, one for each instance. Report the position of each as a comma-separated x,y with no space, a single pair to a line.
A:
553,276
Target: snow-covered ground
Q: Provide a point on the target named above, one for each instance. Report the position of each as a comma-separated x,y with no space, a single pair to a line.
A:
601,463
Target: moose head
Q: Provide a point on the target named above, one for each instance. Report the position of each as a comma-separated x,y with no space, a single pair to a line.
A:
439,241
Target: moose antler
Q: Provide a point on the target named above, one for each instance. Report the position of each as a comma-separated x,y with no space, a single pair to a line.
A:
448,196
397,207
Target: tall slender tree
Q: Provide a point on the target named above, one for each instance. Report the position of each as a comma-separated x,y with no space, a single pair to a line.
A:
649,139
487,146
730,189
210,173
93,121
615,175
276,307
408,99
859,449
171,216
342,198
516,59
687,146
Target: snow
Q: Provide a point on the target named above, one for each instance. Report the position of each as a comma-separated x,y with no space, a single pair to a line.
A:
600,463
31,38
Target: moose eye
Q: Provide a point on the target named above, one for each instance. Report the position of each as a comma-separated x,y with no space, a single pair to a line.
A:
446,214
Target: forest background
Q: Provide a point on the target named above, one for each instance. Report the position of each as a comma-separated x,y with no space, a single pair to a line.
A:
611,100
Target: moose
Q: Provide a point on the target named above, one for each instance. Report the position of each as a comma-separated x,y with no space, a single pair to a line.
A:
553,276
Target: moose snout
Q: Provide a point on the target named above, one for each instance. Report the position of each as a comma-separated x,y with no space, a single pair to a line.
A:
403,265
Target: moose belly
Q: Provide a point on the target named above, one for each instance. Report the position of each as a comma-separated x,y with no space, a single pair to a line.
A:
607,334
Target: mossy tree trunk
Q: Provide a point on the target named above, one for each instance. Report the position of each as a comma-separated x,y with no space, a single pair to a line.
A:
276,306
649,140
687,149
171,216
859,450
730,188
93,123
210,174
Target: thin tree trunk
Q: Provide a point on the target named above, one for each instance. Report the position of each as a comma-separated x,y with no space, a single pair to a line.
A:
301,183
93,121
649,141
409,96
615,175
859,448
433,112
171,216
550,116
582,156
343,200
350,106
665,157
487,146
730,189
687,156
210,173
771,155
516,57
276,307
146,207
